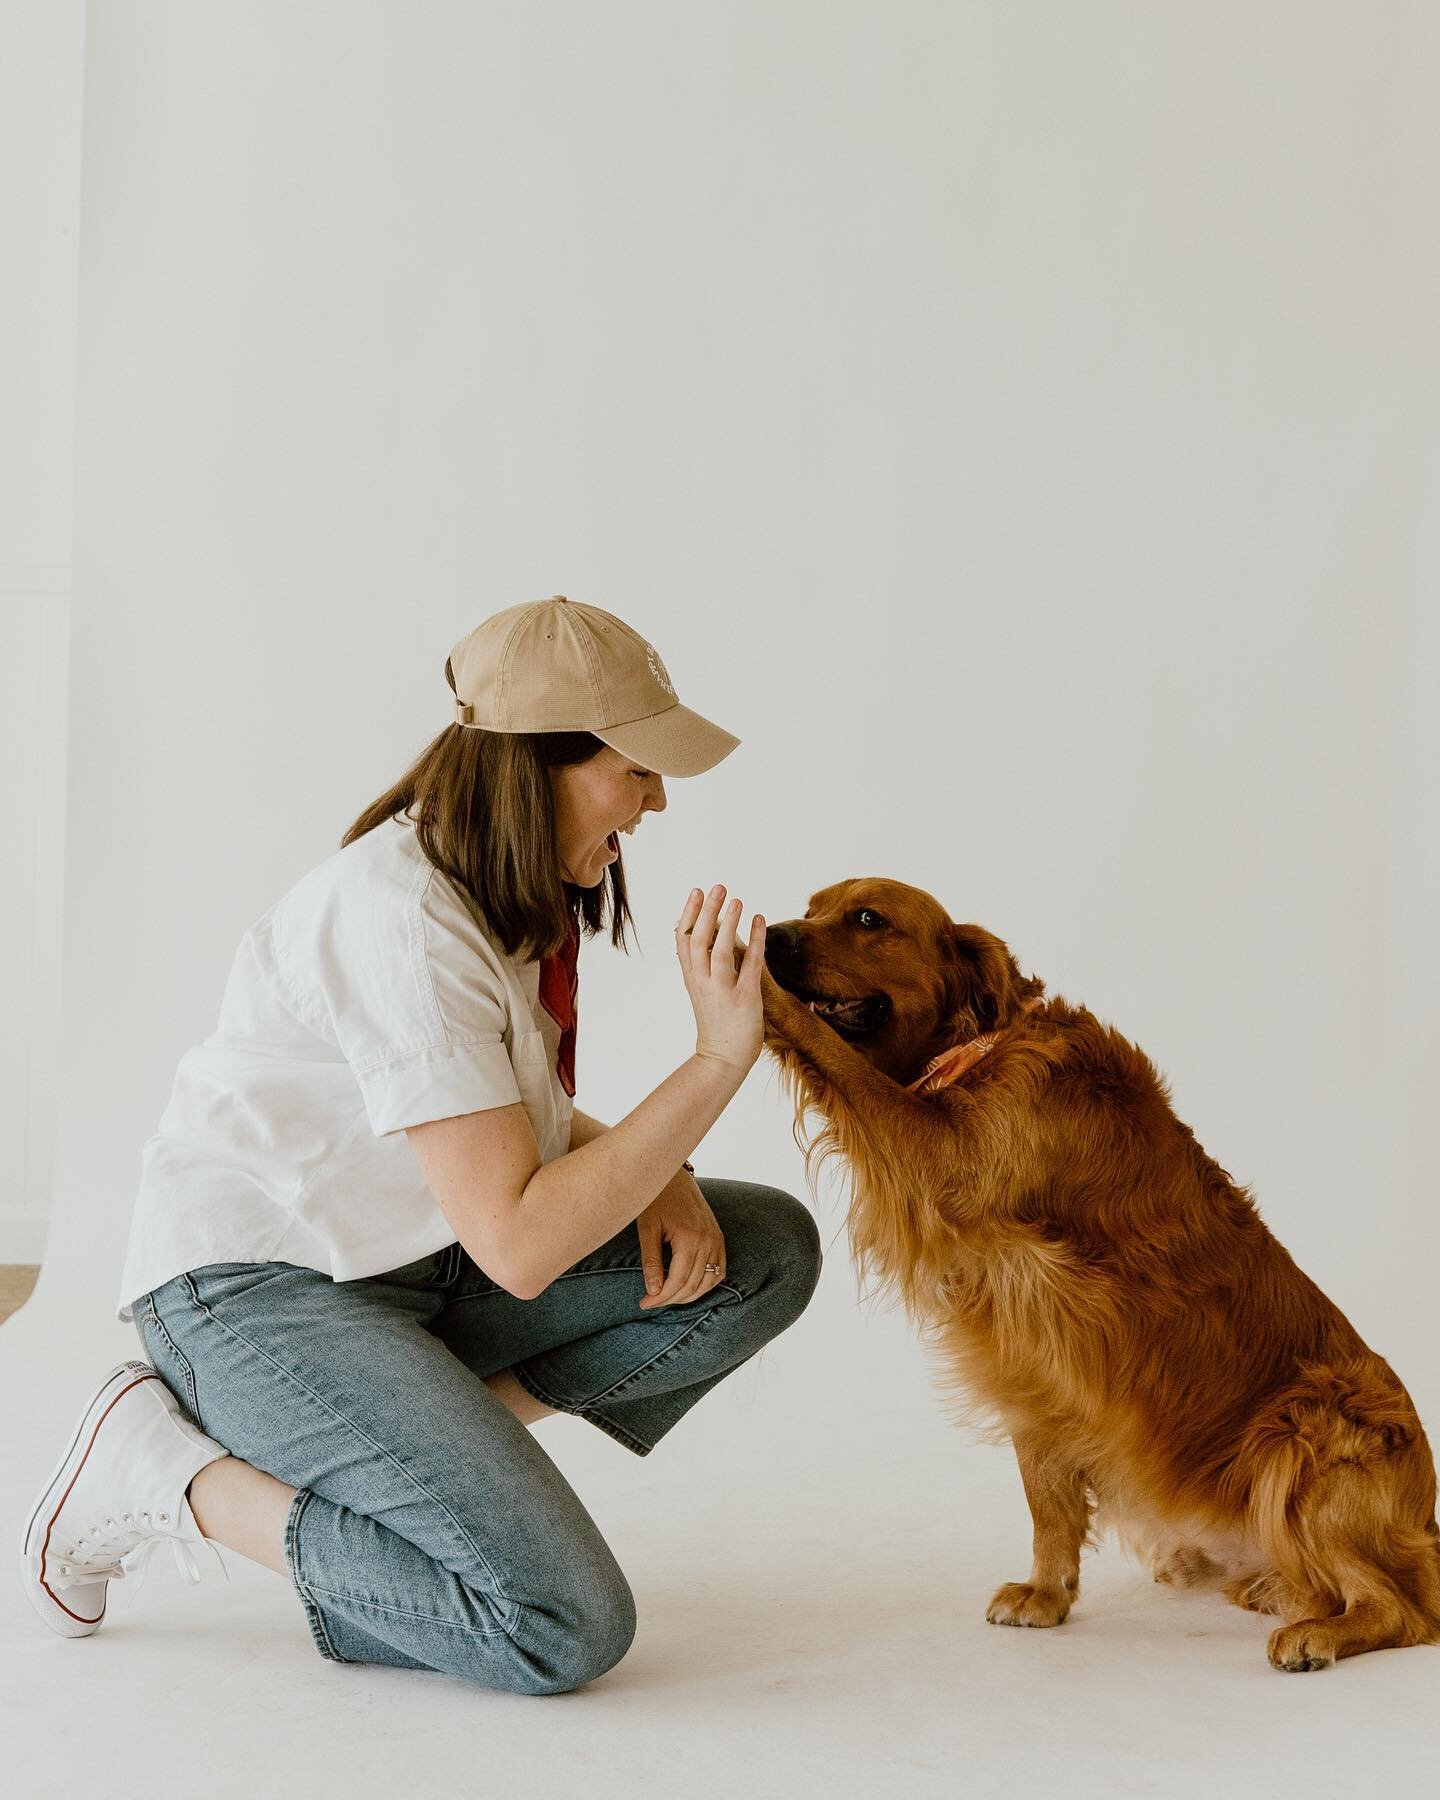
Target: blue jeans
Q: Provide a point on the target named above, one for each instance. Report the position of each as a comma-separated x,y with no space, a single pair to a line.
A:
429,1529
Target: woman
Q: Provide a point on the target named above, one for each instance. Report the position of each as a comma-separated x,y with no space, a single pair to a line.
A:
374,1239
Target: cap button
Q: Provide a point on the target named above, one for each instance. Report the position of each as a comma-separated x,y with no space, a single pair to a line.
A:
561,598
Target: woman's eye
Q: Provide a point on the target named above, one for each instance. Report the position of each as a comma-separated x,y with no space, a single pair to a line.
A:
874,917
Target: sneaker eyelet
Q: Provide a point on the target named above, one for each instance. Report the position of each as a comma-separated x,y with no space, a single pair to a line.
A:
164,1518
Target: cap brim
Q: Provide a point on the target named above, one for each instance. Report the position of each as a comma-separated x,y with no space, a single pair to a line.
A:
674,742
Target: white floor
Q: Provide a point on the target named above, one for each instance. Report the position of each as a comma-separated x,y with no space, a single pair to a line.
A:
811,1550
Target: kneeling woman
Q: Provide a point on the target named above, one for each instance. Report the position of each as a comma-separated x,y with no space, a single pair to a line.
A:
374,1239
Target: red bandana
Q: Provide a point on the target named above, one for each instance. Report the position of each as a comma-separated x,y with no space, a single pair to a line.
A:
559,989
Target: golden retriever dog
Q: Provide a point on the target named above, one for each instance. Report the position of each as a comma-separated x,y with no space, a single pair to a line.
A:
1098,1290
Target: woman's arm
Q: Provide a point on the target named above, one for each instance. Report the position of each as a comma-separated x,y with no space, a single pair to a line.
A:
583,1129
572,1204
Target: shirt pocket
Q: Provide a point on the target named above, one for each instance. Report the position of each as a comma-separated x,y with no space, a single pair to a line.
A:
533,1063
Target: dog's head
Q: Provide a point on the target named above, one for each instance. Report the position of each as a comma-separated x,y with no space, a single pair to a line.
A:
884,965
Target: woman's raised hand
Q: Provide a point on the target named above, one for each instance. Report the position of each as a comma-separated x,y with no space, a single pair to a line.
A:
729,1014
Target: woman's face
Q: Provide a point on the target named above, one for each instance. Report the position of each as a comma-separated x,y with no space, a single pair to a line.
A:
593,800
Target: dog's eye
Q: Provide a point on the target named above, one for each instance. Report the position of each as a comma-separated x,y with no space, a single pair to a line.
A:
875,921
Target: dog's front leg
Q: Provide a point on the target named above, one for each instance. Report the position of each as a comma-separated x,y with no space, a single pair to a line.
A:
872,1114
1060,1509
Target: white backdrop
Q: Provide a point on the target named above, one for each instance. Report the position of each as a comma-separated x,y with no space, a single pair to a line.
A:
1015,422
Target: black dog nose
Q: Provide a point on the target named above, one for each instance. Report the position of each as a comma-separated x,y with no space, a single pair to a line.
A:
780,941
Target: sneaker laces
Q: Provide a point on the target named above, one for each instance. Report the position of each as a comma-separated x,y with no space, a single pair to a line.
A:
97,1556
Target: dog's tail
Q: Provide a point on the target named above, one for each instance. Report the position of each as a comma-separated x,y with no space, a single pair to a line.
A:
1338,1491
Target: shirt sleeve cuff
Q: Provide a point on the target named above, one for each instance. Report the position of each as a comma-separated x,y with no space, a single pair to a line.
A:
438,1084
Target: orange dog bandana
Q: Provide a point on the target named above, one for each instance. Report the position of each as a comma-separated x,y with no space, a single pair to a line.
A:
951,1064
946,1069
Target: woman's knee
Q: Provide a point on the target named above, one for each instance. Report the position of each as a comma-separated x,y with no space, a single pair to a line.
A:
790,1241
564,1643
599,1639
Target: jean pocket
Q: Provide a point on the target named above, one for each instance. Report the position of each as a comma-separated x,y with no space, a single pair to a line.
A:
169,1360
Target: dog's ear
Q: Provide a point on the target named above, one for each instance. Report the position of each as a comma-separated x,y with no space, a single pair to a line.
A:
989,985
976,959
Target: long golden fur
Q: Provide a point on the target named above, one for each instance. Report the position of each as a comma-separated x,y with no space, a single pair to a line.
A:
1098,1290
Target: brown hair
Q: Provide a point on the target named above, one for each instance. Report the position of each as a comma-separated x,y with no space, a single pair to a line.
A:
485,817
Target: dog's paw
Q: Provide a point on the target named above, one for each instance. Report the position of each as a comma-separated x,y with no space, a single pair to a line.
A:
1186,1566
778,1005
1018,1603
1260,1591
1308,1645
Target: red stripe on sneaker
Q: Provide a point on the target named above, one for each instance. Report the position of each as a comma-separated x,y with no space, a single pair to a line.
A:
80,1618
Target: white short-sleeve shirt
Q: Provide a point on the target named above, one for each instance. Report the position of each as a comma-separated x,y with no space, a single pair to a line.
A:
367,998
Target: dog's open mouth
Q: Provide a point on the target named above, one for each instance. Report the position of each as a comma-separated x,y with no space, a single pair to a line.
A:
851,1018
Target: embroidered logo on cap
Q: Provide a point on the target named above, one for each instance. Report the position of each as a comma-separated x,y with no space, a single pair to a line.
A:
657,669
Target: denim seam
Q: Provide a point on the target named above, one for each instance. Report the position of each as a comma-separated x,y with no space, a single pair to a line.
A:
292,1559
616,1387
584,1408
447,1268
618,1432
609,1269
400,1612
409,1474
150,1314
638,1268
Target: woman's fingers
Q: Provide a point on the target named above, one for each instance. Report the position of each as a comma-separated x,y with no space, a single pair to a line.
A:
722,956
687,1278
702,928
684,925
749,967
652,1259
682,1257
707,937
704,932
700,1278
699,927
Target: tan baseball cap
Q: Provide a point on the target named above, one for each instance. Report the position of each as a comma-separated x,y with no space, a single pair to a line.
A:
555,665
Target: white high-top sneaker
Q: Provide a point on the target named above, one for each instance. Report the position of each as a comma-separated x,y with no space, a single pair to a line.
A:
116,1494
